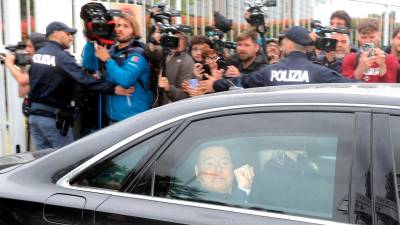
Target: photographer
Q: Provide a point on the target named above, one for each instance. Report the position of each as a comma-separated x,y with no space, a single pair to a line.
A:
179,67
333,59
20,72
246,60
125,64
52,75
294,69
371,64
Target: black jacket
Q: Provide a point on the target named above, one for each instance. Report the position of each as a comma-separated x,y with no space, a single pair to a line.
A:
294,69
258,63
225,84
52,76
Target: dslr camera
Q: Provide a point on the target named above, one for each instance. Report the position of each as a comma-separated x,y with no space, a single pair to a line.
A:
22,57
162,18
324,43
98,22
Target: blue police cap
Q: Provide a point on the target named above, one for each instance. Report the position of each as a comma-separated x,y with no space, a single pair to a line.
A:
59,26
298,35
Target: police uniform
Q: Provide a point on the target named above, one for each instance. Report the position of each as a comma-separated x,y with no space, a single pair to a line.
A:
52,75
294,69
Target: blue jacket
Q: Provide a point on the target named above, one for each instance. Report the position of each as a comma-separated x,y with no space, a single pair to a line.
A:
54,72
127,67
294,69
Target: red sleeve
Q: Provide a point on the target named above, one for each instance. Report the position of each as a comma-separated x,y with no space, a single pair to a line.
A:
349,65
391,69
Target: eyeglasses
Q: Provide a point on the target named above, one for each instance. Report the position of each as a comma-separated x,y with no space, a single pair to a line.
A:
215,58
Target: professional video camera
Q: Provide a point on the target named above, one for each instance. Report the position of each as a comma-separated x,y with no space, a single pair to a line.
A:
324,43
162,18
256,18
216,36
22,57
257,13
98,22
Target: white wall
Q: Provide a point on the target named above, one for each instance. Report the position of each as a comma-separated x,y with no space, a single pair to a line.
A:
48,11
16,118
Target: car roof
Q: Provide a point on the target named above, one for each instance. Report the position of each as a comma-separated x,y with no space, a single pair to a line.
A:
350,93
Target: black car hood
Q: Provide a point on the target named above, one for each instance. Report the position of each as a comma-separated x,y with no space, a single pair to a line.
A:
10,162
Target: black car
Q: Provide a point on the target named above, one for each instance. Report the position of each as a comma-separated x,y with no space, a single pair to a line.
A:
318,154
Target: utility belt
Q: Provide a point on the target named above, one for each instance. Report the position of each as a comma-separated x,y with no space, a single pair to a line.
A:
40,109
64,117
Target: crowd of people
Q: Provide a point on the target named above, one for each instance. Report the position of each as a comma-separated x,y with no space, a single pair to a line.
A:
132,80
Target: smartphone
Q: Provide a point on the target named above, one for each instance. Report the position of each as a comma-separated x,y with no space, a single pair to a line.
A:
222,64
366,47
207,69
193,83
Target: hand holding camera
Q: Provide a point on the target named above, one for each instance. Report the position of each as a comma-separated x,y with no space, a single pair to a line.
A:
21,56
9,59
102,53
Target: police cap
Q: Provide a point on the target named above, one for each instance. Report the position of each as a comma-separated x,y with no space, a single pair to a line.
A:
298,35
59,26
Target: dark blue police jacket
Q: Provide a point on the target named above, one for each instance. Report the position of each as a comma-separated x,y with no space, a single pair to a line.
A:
294,69
52,76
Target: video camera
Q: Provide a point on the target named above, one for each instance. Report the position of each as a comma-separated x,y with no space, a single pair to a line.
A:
216,36
98,22
257,13
324,43
22,57
162,18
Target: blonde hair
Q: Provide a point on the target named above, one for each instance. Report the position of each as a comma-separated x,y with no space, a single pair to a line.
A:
129,15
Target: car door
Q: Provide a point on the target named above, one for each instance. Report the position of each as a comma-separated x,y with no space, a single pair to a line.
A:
386,170
108,172
316,143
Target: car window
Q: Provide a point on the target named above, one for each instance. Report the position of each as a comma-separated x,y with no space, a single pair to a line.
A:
395,133
280,162
113,172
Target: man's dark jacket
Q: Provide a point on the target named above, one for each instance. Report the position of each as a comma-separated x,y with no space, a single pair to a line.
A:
294,69
234,60
52,76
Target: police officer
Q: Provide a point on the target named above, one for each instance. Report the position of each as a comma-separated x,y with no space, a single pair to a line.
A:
294,69
52,75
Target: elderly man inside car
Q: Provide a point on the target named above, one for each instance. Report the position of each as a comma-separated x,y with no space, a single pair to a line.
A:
217,176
